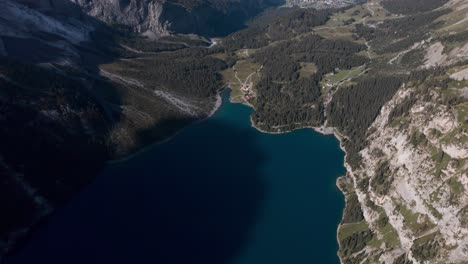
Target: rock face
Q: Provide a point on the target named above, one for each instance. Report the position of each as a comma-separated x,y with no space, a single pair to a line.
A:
414,175
67,105
407,198
45,116
140,16
160,17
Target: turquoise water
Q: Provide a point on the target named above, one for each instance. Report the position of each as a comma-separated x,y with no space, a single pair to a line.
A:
218,192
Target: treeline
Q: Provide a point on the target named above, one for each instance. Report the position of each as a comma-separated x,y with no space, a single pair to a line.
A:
403,108
354,108
191,41
286,100
287,105
51,125
402,259
143,44
353,211
425,248
326,54
295,22
355,242
167,43
406,30
189,72
461,37
407,7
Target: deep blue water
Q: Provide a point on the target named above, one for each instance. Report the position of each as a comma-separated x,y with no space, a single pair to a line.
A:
219,192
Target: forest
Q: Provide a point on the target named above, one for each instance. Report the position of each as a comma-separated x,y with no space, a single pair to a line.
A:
406,30
189,72
354,108
285,100
264,30
406,7
39,108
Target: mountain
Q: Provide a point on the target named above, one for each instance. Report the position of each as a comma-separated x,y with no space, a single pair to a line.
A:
389,79
203,17
80,85
87,81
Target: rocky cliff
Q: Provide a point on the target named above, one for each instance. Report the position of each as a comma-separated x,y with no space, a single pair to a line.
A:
395,96
161,17
407,195
80,85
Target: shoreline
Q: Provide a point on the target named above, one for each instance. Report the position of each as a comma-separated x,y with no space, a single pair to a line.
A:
217,105
326,131
323,130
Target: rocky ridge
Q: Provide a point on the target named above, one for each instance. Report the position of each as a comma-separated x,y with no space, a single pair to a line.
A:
68,103
411,183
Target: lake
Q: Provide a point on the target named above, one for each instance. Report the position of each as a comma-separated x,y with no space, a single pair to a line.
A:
218,192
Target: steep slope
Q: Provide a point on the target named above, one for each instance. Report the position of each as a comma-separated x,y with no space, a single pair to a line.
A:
409,178
387,77
76,91
161,17
395,96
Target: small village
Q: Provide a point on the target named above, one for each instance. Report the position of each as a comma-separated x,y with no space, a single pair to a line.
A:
248,92
246,87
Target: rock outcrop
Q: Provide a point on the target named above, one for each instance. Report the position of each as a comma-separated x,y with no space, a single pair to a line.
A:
161,17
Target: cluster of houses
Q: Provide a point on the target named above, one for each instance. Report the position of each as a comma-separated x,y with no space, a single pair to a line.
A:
248,91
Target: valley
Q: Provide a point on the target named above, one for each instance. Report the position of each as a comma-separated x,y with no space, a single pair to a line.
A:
385,109
386,77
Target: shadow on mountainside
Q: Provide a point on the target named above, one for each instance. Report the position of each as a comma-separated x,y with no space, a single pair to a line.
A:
55,126
218,19
185,201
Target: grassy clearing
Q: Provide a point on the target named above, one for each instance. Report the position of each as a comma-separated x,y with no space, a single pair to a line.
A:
458,135
453,22
333,79
356,13
221,56
441,160
345,33
390,236
415,221
375,242
455,186
454,84
456,69
462,114
347,230
341,25
307,69
245,53
434,211
243,68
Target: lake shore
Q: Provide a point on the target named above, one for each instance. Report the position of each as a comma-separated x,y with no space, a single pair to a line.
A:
217,105
327,131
